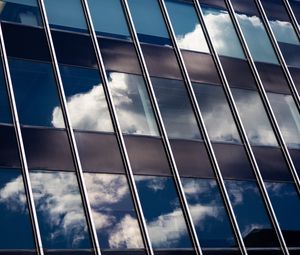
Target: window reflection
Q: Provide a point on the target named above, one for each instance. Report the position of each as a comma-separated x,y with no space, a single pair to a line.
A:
208,212
5,114
132,103
15,220
216,113
188,31
165,221
59,209
113,211
254,117
86,101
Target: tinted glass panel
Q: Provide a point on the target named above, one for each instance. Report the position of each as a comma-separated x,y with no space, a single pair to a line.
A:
295,4
165,221
36,95
208,213
255,227
176,109
102,13
132,103
254,117
286,204
15,219
59,209
216,113
113,212
85,99
185,22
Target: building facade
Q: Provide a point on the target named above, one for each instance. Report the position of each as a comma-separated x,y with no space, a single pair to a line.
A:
149,127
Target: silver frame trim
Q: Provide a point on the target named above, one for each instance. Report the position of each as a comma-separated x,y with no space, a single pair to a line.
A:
292,17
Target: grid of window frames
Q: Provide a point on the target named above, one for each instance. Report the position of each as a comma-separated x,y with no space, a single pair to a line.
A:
152,127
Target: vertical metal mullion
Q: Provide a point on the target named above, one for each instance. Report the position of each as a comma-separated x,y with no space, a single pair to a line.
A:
279,54
119,134
22,154
203,129
292,17
70,132
163,132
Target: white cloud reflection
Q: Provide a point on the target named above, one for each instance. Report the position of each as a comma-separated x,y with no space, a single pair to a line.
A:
284,32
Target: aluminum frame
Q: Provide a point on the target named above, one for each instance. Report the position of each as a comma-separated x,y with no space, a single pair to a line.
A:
292,17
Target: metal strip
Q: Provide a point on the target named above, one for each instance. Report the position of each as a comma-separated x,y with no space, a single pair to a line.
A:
119,135
203,129
70,132
26,177
162,130
272,119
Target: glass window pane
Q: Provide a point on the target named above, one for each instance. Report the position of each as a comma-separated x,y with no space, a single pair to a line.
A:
186,24
102,12
15,219
36,95
132,103
164,218
113,212
208,212
254,117
216,113
59,209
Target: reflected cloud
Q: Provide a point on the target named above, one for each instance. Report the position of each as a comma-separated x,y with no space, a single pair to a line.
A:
284,32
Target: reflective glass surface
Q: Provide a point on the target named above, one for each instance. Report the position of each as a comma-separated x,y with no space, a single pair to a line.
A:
132,104
67,14
113,211
59,209
85,99
222,32
255,228
186,26
15,219
286,205
102,13
5,114
295,4
288,118
20,11
35,92
254,117
208,213
216,113
149,22
176,108
164,217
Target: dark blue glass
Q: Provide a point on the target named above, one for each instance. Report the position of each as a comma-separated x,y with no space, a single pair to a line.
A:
5,115
86,101
251,214
36,95
16,230
165,221
208,212
286,203
113,212
295,4
59,209
21,11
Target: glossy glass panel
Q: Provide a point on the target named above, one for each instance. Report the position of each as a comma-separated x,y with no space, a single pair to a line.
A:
20,11
254,117
164,218
66,15
59,209
295,4
186,26
5,114
176,109
35,92
286,204
132,103
255,227
102,13
113,211
288,118
216,113
86,101
222,32
149,22
15,219
208,212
